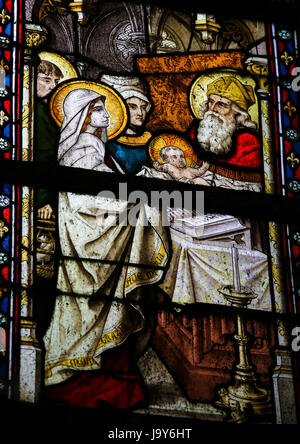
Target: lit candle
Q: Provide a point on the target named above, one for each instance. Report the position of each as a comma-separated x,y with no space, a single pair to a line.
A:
235,268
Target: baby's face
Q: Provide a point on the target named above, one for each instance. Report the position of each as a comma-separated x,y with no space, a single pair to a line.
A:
175,157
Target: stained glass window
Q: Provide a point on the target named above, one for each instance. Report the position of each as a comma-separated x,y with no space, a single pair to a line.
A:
149,207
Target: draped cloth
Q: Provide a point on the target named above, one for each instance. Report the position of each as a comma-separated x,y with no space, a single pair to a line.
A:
198,272
98,305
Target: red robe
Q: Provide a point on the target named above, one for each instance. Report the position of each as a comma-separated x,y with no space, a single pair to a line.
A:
244,161
117,384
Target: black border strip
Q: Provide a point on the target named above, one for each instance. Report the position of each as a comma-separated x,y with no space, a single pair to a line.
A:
216,199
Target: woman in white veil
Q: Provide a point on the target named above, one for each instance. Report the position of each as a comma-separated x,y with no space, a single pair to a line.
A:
84,131
99,302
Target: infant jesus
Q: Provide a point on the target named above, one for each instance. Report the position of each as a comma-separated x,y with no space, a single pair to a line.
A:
175,165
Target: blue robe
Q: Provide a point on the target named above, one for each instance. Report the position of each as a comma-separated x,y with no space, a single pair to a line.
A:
130,156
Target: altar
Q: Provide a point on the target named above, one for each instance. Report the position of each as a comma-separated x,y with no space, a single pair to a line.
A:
201,262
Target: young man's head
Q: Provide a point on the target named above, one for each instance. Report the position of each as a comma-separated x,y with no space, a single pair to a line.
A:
134,92
173,156
137,112
48,76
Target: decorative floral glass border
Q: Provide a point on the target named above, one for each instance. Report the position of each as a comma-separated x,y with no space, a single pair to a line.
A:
10,204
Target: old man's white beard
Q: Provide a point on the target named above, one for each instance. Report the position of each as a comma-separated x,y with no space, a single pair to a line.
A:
215,134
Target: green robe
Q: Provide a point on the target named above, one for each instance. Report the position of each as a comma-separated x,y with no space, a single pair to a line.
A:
46,143
46,139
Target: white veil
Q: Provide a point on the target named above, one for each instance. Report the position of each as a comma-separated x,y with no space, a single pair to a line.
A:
75,107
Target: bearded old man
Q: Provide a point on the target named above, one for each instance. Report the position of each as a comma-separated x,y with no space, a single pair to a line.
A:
226,136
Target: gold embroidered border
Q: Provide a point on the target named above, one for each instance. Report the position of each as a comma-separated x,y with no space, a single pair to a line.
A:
135,141
145,275
73,363
236,175
112,336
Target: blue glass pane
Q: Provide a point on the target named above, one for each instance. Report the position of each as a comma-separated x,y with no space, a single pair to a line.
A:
294,96
6,131
6,189
4,304
8,30
286,120
297,147
289,172
5,244
2,369
290,46
283,69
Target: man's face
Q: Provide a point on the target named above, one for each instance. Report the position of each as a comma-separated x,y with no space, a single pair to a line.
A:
175,157
99,117
46,83
137,110
216,129
221,105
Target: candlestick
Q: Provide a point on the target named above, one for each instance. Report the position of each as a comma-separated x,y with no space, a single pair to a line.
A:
244,398
235,268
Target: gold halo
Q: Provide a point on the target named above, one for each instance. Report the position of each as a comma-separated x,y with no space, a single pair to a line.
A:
67,69
114,104
163,140
199,87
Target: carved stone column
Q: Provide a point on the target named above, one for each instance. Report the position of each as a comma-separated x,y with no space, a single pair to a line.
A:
284,389
284,395
35,36
30,352
30,362
207,26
